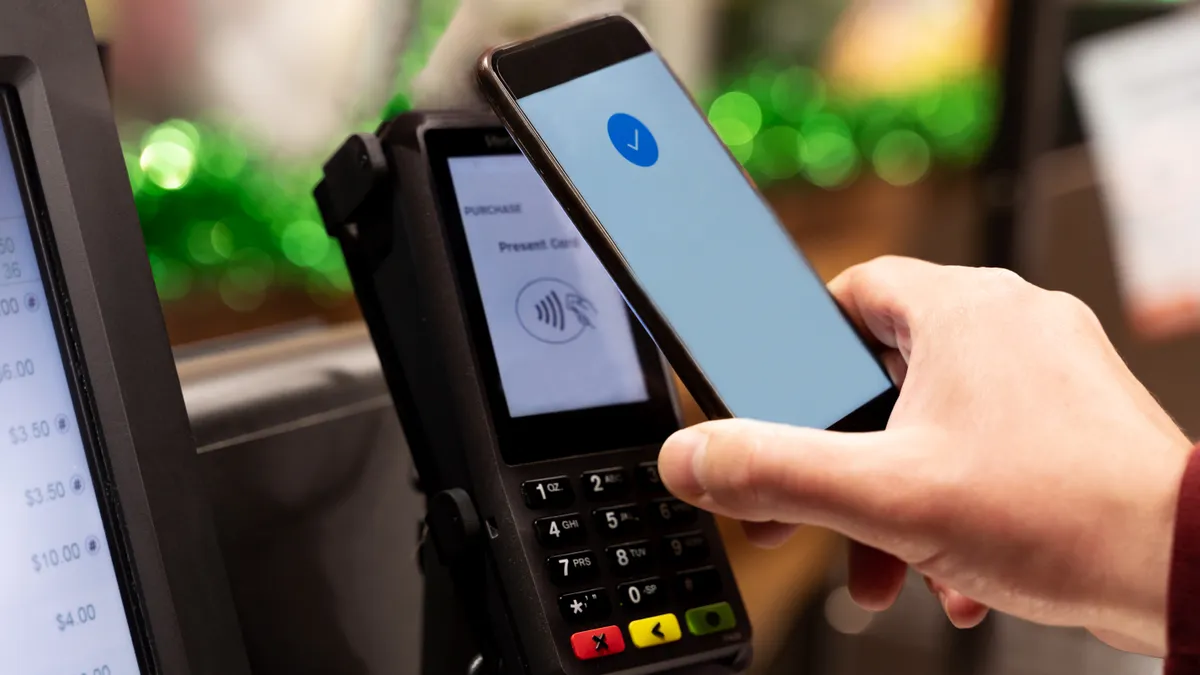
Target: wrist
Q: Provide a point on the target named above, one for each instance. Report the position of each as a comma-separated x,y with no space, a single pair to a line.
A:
1137,583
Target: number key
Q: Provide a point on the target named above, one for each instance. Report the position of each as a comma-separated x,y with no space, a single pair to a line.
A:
548,493
672,513
686,548
573,568
648,478
694,586
632,558
645,595
605,484
618,521
565,530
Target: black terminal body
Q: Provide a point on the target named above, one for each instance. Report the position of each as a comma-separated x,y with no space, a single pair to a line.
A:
555,528
92,420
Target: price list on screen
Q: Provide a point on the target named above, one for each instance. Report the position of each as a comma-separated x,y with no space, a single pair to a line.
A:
61,609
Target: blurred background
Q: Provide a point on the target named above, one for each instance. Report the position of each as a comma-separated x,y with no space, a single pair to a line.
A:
961,131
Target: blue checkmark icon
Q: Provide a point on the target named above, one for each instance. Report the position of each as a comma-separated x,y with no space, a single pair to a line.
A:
633,139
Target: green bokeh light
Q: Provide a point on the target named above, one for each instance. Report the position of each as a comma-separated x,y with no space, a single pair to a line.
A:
828,152
168,154
168,164
902,157
777,153
797,93
744,153
224,161
305,243
209,243
737,118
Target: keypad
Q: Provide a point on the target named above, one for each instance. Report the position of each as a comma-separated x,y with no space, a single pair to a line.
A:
672,513
556,531
573,568
606,484
618,521
644,595
548,493
629,559
655,558
685,549
586,607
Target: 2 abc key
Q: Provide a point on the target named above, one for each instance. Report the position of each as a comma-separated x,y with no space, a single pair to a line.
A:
605,484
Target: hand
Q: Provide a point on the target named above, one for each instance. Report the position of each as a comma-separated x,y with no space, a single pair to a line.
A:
1024,468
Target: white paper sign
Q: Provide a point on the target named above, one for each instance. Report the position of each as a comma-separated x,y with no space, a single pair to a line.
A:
1139,96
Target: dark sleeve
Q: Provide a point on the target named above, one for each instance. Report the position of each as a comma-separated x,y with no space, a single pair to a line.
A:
1183,611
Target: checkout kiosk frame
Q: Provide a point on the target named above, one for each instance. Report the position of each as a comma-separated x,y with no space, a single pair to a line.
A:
138,438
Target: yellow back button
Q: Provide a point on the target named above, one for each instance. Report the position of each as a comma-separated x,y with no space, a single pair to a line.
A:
654,631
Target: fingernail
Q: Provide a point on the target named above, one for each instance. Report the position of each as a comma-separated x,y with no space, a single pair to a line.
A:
681,462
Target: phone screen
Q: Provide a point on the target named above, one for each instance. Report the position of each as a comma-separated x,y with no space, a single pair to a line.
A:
704,246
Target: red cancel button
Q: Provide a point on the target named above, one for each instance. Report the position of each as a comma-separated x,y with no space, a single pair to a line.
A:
592,644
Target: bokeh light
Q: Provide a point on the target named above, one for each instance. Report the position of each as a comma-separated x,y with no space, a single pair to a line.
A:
827,150
777,153
797,93
305,243
737,118
209,243
168,156
901,157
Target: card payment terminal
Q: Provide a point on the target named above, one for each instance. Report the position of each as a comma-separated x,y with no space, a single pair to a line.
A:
535,405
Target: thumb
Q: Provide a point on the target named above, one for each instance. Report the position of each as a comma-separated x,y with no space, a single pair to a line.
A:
866,486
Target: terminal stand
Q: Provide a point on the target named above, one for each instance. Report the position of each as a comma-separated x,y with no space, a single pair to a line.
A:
448,645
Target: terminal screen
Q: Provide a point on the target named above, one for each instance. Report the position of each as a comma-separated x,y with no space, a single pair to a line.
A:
61,607
562,334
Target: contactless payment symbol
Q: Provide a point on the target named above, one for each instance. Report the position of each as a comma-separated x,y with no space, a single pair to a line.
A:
552,311
633,139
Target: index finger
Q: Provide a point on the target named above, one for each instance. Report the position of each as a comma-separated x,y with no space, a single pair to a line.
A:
882,297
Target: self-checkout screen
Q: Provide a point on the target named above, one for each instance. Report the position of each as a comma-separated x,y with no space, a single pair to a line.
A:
61,607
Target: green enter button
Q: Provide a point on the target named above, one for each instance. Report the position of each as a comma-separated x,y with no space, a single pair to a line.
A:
711,619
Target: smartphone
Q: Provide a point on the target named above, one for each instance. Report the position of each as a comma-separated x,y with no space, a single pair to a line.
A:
699,256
